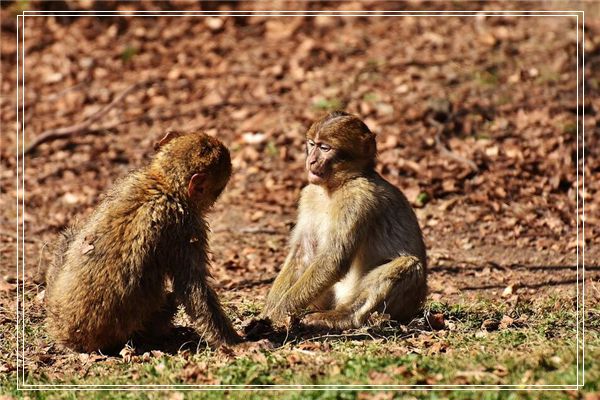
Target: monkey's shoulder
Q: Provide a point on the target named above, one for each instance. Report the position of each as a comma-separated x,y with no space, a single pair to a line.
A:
135,216
139,197
389,193
371,191
372,197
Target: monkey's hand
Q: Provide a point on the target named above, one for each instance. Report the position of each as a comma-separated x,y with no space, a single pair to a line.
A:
267,309
276,315
275,309
258,328
279,314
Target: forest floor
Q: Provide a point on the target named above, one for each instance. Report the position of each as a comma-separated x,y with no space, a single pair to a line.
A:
476,121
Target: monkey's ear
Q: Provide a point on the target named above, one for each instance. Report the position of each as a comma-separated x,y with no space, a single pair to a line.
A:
196,185
169,135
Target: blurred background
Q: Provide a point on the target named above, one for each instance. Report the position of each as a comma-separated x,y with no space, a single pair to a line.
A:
475,118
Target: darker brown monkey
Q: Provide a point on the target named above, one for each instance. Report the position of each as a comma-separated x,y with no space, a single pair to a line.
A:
357,246
142,252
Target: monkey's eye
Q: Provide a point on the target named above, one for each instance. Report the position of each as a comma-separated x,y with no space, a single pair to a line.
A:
324,147
310,144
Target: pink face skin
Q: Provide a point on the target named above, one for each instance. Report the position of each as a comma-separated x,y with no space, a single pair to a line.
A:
318,161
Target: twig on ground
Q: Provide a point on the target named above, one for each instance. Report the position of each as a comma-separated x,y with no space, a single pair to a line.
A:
14,236
64,132
287,335
249,283
445,151
77,86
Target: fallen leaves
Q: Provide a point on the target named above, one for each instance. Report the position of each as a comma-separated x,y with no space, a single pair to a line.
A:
127,353
91,357
505,322
436,321
197,372
507,292
490,325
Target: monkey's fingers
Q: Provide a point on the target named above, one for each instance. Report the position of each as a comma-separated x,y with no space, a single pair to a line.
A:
271,306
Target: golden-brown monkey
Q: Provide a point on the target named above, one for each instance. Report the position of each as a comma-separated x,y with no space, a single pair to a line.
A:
357,246
111,274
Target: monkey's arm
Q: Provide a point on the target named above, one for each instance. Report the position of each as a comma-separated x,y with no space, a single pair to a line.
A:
60,249
328,267
200,300
319,276
284,280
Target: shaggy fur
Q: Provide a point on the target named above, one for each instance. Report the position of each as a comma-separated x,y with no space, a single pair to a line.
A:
357,246
112,274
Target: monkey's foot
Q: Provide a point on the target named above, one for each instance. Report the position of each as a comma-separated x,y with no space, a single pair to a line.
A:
257,328
330,320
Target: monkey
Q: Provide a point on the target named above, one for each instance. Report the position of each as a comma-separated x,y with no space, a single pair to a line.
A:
142,252
357,246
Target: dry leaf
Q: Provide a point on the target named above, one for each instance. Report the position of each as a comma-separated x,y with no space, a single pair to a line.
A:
127,353
505,322
436,321
507,292
490,325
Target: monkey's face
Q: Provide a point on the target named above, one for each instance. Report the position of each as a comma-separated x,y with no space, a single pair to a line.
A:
320,159
338,147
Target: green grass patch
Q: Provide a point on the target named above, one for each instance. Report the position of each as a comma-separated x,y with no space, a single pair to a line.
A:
128,53
328,104
487,78
539,350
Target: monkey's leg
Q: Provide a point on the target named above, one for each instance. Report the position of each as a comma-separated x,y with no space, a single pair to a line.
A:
397,288
324,302
160,324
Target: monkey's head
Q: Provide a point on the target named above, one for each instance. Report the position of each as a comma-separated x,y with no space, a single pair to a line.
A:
339,146
194,165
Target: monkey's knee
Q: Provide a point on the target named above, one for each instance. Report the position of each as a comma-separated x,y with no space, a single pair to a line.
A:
324,302
404,303
160,323
397,288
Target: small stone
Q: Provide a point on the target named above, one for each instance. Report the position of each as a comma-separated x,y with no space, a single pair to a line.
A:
214,23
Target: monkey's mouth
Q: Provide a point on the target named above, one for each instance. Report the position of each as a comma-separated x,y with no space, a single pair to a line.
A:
316,175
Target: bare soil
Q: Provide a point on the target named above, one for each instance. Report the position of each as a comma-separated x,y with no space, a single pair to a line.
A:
476,120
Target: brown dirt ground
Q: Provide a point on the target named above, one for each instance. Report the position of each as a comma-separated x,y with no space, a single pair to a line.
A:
502,88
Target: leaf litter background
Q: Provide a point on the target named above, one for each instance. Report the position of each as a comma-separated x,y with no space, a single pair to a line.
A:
475,119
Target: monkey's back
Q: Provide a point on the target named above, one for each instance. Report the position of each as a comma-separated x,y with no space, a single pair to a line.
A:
396,231
107,282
